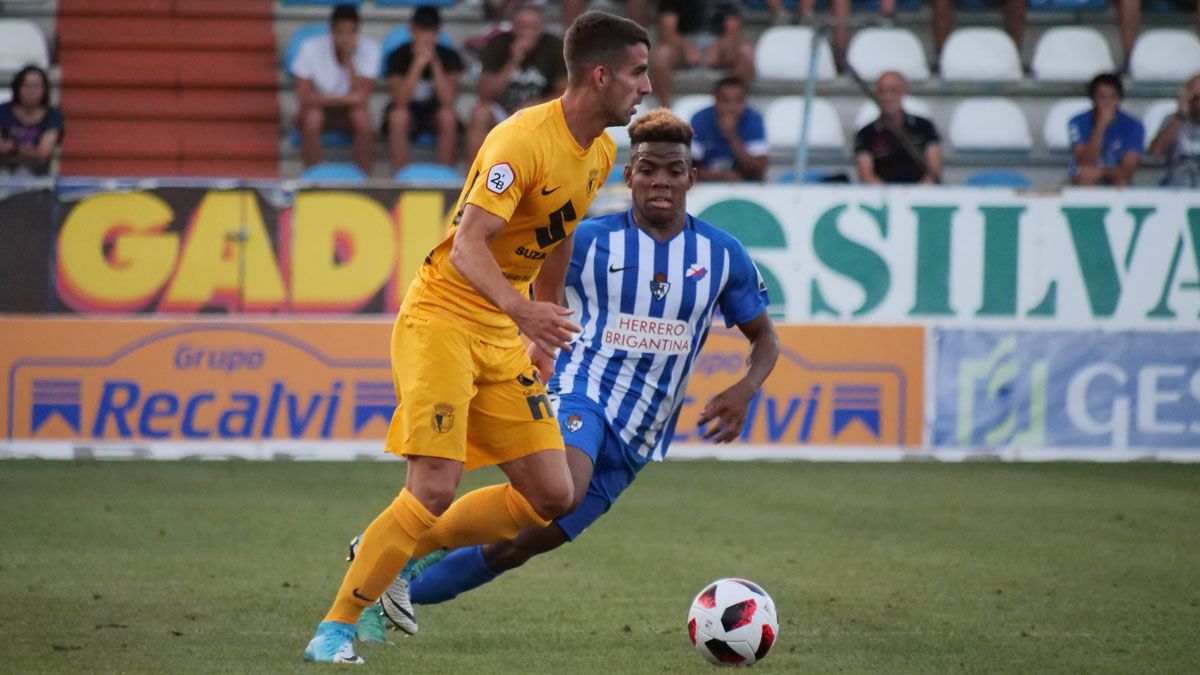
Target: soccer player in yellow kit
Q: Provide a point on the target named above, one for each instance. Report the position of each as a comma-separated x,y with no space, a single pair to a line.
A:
469,394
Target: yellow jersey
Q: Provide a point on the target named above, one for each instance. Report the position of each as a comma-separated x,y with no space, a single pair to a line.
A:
531,172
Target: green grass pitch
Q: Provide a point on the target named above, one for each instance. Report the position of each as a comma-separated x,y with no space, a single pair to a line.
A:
889,568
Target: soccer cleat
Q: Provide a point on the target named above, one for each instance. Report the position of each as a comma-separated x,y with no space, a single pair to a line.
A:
371,626
332,643
395,603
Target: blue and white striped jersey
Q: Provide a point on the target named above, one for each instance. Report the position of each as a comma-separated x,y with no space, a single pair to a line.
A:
646,308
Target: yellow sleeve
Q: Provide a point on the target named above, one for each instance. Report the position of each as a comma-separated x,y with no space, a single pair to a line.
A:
509,167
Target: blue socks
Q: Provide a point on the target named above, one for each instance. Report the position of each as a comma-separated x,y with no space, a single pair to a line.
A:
459,572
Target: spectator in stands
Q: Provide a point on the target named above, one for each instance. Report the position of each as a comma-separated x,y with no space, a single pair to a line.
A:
943,21
30,128
700,33
730,140
1179,139
335,74
1129,21
521,67
1106,143
422,77
897,147
839,11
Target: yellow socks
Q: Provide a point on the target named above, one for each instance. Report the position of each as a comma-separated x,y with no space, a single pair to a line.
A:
386,546
483,516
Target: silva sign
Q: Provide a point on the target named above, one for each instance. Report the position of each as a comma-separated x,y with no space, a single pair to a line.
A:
142,381
1052,389
967,255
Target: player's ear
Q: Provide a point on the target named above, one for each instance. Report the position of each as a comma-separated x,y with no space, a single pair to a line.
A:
600,76
691,174
628,174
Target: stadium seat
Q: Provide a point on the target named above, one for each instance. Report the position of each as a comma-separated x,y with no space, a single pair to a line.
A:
302,34
1054,131
783,52
810,176
1165,55
1071,54
402,35
1066,5
428,173
5,94
329,139
687,106
414,3
1157,113
868,112
875,50
980,55
783,124
999,178
21,43
988,124
334,172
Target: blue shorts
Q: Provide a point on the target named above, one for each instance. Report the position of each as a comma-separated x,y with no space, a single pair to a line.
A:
585,426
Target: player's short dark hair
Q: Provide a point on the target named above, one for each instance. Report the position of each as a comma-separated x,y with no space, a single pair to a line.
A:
660,126
343,12
598,38
1110,79
427,17
731,81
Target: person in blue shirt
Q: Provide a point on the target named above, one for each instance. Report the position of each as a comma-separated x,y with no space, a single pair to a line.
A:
30,128
647,284
730,141
1106,142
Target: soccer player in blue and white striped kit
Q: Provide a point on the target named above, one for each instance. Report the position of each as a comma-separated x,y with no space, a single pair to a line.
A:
645,285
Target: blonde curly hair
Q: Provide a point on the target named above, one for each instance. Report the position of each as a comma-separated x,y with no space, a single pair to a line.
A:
660,126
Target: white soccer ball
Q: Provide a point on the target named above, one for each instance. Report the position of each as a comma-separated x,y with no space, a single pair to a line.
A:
732,622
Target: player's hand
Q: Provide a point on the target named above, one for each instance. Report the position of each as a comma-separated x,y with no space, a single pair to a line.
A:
542,361
546,325
727,412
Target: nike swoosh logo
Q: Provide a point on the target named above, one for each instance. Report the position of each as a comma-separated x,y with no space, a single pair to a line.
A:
546,192
614,270
360,596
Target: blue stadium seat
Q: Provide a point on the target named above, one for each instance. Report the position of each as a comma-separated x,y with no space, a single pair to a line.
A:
398,37
1066,5
334,172
414,3
302,33
999,178
329,139
428,172
810,176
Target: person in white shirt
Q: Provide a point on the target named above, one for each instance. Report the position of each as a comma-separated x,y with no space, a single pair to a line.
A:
334,77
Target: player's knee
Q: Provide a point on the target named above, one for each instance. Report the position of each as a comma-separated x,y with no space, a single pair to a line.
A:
553,500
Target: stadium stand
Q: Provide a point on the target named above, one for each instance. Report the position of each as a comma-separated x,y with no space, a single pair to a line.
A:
980,55
1006,178
339,172
989,124
21,43
782,120
1071,54
1165,55
1155,114
686,107
776,50
875,50
868,112
427,172
1054,131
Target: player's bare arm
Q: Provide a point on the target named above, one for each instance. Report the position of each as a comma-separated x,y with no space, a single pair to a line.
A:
548,286
544,323
727,410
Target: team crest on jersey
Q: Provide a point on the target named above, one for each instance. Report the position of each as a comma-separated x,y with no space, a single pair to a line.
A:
574,423
443,417
500,177
696,272
659,286
592,176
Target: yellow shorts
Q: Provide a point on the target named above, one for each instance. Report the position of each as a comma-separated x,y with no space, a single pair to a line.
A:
466,398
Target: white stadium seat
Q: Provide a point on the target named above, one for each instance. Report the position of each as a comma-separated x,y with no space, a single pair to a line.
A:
1165,55
1157,113
989,123
1071,54
783,53
782,120
620,136
868,112
1054,131
21,43
875,50
687,106
980,55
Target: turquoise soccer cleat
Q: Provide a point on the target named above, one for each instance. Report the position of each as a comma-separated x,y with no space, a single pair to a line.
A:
371,626
332,643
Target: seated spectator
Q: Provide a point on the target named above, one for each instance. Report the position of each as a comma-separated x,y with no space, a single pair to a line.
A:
730,140
30,128
422,77
1129,21
943,21
334,77
521,67
1106,143
702,33
881,154
1179,139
